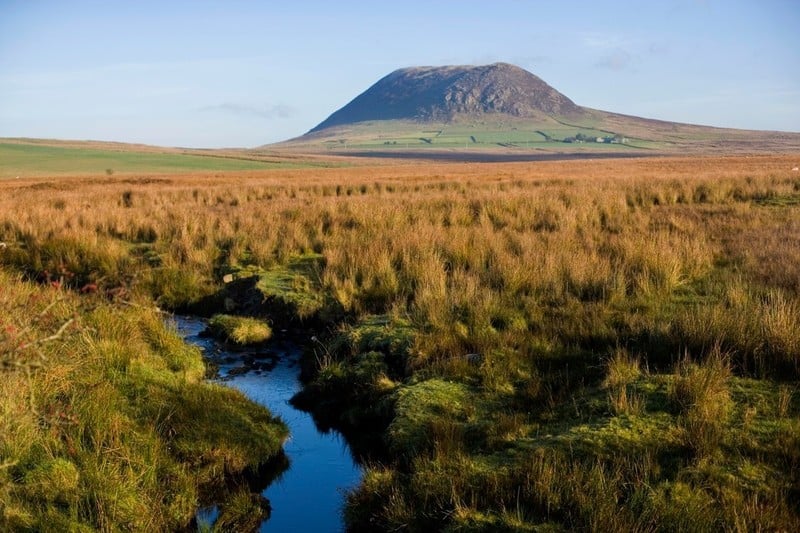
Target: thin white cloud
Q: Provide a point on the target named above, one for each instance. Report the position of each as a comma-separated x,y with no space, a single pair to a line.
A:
243,110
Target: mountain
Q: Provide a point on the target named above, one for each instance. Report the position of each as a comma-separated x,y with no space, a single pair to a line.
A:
504,108
432,94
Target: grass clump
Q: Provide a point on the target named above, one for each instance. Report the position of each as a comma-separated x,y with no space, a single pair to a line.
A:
239,330
427,414
701,396
243,511
55,481
359,367
621,371
106,421
294,287
392,337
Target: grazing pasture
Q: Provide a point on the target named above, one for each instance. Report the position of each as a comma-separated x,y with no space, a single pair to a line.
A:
25,158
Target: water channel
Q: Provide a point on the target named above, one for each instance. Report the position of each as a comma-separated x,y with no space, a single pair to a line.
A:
309,495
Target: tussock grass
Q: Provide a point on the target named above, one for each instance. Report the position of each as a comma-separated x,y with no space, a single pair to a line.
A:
701,396
239,330
516,329
621,369
106,423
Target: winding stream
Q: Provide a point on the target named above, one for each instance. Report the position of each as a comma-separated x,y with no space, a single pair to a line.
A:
309,495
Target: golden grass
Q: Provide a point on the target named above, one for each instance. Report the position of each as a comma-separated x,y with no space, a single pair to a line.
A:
239,330
513,283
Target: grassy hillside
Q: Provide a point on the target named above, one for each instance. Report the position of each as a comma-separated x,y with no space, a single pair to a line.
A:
544,134
601,345
37,158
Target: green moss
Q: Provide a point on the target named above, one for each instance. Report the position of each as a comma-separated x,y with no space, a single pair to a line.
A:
296,285
421,407
580,466
393,337
53,481
383,333
239,330
619,434
116,430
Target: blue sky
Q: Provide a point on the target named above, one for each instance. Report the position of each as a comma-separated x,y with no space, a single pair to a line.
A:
245,73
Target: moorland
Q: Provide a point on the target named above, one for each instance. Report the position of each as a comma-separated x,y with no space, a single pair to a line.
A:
610,345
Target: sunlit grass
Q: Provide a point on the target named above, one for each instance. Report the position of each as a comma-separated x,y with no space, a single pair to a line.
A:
603,345
106,422
239,330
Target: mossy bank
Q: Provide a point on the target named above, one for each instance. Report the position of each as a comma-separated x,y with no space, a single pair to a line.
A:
106,420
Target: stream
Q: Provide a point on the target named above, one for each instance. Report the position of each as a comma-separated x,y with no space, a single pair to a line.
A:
309,496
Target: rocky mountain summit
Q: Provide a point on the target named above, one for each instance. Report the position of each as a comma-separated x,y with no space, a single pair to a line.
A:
443,94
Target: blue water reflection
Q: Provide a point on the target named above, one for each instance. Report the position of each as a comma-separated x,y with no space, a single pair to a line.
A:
309,496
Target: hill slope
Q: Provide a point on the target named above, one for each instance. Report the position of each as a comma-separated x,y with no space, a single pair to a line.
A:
502,108
434,94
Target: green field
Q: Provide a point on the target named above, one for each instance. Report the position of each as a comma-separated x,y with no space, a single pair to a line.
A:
22,159
490,134
543,133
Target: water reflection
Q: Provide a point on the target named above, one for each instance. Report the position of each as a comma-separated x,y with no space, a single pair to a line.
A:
309,495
